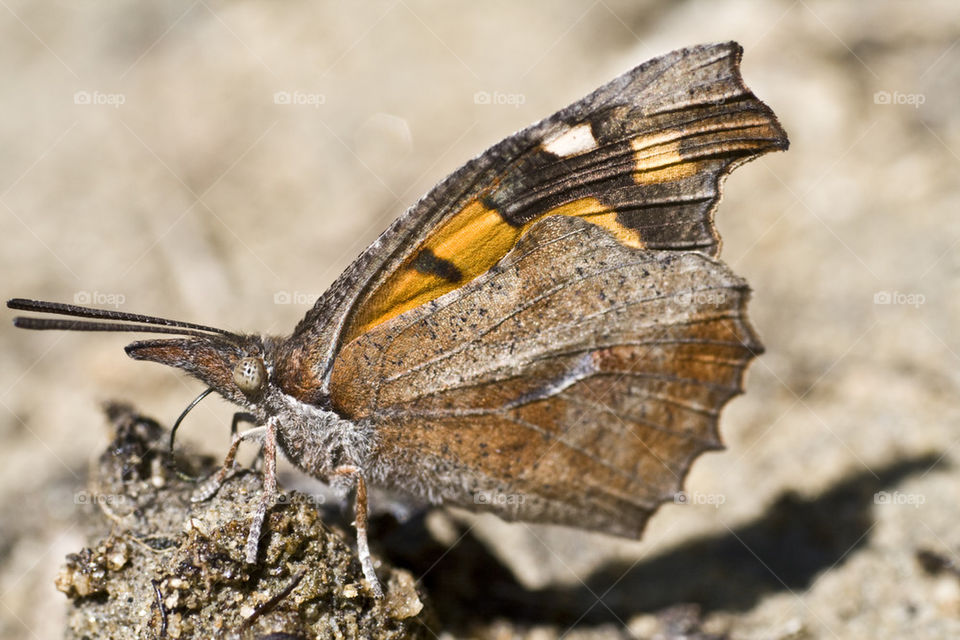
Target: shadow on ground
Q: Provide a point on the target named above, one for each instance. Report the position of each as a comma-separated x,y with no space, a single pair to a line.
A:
784,550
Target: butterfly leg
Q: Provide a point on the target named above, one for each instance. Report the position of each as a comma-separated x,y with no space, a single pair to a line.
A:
242,416
238,417
360,522
269,491
213,483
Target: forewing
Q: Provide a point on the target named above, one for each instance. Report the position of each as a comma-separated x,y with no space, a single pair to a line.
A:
573,383
641,157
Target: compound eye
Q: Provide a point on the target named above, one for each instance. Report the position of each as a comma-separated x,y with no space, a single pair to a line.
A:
250,375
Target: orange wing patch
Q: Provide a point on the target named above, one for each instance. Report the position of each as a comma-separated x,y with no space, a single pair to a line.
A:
656,161
478,236
461,249
592,210
660,157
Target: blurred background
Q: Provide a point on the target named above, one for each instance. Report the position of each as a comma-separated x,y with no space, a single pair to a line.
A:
223,162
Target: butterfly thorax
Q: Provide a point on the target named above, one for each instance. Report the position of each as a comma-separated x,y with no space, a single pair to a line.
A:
299,362
316,440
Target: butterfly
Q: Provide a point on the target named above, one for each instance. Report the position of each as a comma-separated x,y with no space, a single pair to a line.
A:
547,335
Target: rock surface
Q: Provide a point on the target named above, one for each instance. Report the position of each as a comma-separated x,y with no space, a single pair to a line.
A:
162,566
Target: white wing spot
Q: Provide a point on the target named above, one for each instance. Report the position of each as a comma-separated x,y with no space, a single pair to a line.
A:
571,141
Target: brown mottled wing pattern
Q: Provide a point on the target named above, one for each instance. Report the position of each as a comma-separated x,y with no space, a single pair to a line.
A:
641,157
573,383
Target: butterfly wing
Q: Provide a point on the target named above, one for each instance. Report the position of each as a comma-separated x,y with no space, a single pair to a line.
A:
572,383
642,157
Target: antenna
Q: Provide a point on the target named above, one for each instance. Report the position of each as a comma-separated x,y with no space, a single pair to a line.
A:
117,320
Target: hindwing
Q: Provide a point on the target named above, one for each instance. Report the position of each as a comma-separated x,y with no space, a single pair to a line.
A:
572,383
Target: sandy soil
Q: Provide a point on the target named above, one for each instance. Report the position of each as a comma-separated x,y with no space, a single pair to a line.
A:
146,164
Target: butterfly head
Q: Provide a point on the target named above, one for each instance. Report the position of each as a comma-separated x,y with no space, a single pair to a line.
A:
236,367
